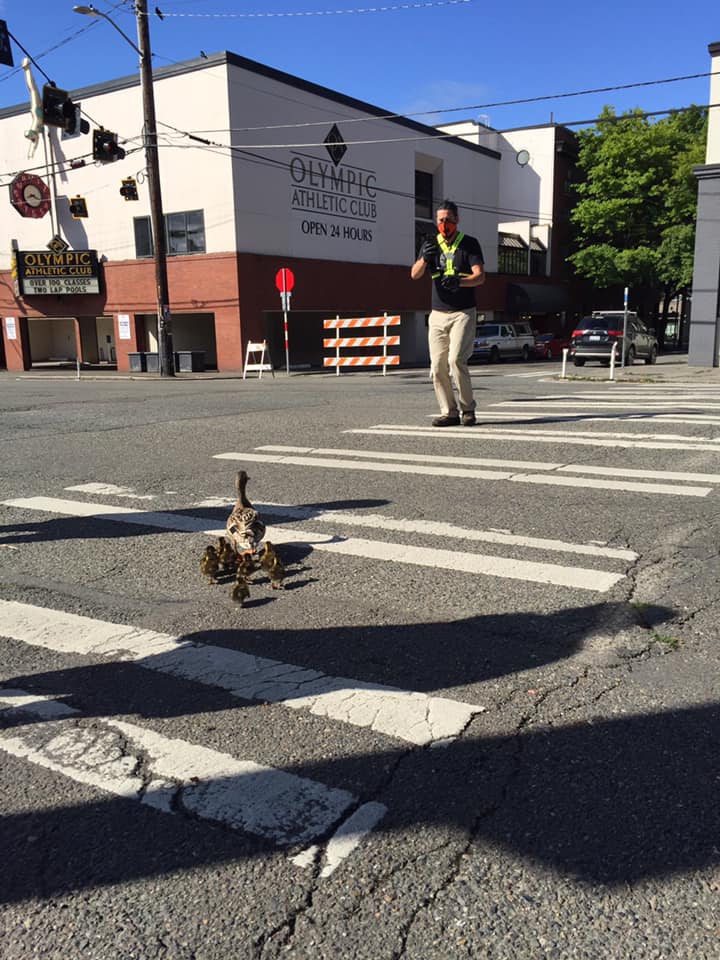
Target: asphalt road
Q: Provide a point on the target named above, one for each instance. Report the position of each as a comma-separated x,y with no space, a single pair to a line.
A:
481,719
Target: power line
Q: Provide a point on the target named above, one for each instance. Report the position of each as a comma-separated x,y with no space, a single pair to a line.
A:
319,13
448,136
471,107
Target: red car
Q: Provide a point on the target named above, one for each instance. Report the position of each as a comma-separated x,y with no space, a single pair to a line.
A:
548,346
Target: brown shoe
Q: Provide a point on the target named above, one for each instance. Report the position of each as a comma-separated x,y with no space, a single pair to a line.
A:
447,420
468,419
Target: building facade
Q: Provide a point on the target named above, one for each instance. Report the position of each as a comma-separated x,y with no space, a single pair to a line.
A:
259,170
704,338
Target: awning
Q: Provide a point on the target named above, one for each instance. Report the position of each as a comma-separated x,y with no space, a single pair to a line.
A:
512,240
537,298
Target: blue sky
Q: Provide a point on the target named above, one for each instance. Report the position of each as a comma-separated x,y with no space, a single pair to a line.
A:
405,56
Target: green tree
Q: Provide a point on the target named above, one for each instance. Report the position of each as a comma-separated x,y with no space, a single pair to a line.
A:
635,217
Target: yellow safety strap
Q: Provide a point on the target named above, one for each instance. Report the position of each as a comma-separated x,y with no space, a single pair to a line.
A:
449,252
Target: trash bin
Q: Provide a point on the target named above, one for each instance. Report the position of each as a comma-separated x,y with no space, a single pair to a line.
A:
152,362
190,361
137,362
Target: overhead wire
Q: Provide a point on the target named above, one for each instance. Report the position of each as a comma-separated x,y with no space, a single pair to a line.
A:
388,8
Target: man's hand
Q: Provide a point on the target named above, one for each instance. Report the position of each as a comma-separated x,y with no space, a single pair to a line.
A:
429,251
450,282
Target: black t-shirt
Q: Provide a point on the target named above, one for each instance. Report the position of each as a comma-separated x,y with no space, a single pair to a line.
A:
467,255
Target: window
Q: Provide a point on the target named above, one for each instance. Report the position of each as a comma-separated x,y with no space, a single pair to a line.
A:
184,234
423,195
512,254
538,258
424,222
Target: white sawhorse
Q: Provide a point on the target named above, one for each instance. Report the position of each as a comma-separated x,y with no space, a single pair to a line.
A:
255,348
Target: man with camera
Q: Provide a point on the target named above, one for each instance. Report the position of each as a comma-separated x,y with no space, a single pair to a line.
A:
456,266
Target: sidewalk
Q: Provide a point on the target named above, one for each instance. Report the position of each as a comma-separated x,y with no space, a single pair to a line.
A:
671,368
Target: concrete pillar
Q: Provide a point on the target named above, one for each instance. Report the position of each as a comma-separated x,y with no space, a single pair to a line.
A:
704,341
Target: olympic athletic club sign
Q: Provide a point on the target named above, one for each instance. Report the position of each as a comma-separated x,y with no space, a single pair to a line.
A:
43,272
334,200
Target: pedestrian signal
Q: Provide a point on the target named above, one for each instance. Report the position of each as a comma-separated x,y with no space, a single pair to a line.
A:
129,189
78,208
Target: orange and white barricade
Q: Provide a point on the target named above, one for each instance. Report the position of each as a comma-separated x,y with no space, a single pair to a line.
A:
384,360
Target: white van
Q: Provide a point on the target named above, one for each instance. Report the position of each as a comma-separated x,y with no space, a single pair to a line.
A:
494,341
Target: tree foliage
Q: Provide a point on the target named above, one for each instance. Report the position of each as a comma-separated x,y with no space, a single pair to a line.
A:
634,220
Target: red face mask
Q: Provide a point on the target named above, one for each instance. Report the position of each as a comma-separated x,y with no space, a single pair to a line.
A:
447,229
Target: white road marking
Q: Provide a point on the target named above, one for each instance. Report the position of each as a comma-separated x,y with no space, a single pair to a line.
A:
439,529
411,457
349,835
535,431
570,415
414,717
552,479
47,708
106,754
612,404
542,436
649,474
493,566
110,489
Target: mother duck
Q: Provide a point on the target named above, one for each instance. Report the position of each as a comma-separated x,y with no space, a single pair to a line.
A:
244,528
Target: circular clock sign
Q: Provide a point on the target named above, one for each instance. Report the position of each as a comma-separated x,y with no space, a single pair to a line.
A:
30,195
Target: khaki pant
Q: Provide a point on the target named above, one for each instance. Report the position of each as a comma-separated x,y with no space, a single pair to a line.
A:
450,338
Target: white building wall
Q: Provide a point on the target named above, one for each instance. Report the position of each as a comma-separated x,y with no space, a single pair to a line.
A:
252,199
296,201
525,191
712,154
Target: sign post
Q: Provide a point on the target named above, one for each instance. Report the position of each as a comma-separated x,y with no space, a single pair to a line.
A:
625,319
285,281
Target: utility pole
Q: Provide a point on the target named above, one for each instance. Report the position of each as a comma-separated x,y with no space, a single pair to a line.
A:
165,343
166,357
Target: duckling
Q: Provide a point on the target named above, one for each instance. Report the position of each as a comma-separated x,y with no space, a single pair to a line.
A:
273,565
227,558
244,528
209,564
241,591
246,565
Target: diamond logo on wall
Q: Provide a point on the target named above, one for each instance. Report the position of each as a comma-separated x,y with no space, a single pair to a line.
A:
335,145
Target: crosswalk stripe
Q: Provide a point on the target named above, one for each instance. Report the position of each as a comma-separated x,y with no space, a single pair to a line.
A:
514,464
548,573
436,528
552,479
572,416
611,404
267,802
413,717
542,436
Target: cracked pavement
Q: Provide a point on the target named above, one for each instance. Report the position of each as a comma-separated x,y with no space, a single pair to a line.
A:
478,767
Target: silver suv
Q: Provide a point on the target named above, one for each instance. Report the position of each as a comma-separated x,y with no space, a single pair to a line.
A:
493,341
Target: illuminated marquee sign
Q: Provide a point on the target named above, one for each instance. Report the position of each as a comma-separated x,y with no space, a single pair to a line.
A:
71,272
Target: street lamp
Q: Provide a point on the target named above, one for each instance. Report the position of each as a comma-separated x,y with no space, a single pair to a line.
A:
157,220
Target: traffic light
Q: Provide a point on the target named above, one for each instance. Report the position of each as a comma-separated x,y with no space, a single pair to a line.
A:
58,108
78,208
129,189
75,123
105,146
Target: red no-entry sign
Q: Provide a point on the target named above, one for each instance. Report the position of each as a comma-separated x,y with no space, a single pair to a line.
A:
284,280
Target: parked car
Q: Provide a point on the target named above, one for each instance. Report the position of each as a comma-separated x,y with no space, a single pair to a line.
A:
495,341
595,336
550,345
